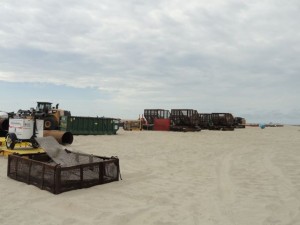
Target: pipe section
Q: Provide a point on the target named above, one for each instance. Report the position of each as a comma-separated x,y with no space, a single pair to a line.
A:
62,137
4,124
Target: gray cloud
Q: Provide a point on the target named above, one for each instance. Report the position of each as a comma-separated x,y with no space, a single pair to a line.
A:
211,56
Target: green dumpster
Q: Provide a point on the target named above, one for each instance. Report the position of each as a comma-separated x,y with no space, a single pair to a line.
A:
78,125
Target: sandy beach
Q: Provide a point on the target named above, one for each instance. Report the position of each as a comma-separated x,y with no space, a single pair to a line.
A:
246,177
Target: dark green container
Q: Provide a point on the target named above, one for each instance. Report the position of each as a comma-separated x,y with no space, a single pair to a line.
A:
78,125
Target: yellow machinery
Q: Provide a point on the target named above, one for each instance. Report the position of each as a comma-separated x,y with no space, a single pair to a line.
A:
50,115
23,148
134,124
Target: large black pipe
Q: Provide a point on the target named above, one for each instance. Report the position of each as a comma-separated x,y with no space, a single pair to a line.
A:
62,137
4,124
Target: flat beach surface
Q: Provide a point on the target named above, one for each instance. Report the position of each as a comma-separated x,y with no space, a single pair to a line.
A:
244,177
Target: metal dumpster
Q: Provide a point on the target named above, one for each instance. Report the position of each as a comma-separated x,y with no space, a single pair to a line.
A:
78,125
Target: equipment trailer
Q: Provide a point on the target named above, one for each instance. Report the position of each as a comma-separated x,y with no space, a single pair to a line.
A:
23,130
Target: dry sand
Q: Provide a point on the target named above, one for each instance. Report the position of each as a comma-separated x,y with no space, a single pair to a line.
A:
246,177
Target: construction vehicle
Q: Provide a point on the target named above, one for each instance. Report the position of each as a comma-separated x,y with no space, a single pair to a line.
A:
50,115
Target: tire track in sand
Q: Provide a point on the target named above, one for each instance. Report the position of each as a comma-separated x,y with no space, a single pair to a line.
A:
287,206
226,190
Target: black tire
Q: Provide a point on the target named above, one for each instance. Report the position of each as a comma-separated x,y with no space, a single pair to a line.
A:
11,140
50,124
34,144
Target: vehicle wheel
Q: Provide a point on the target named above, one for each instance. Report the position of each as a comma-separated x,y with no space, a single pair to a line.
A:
50,124
11,140
34,144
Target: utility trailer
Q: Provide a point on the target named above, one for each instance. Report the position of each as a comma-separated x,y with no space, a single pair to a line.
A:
205,120
24,130
152,114
222,121
239,122
184,120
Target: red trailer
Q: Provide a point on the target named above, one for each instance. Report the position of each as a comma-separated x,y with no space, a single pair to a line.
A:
162,124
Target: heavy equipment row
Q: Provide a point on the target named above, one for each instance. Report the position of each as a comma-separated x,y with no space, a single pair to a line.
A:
44,120
189,120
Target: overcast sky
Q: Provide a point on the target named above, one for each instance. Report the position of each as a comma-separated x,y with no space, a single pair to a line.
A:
116,58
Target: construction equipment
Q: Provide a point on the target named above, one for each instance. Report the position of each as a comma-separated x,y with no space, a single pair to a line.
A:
184,120
26,125
50,115
205,120
152,114
222,121
162,124
136,125
24,130
239,122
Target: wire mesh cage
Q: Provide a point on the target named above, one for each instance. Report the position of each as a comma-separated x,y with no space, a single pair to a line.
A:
222,121
152,114
41,171
184,120
205,120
